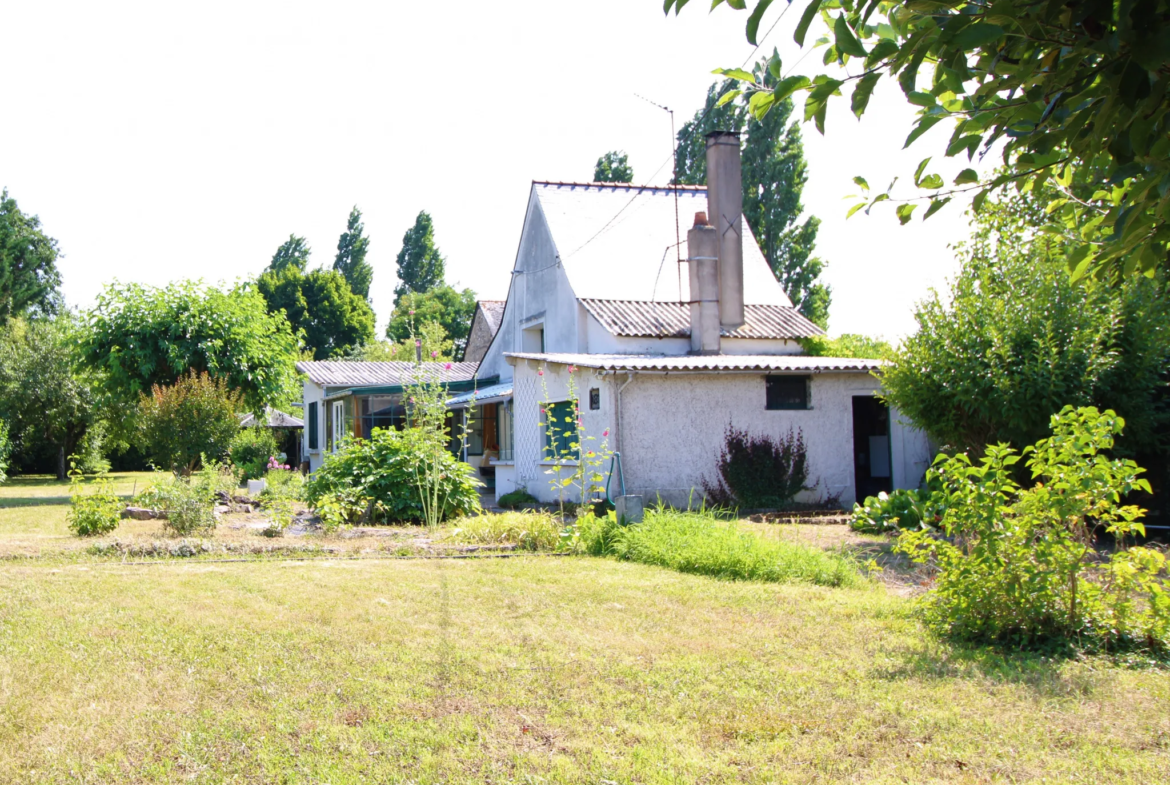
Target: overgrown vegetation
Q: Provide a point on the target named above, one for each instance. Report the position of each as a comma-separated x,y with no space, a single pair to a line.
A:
700,543
899,509
378,480
188,502
180,425
251,449
1021,566
534,531
516,499
755,472
95,512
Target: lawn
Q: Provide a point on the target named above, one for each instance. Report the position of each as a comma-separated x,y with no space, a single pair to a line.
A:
533,669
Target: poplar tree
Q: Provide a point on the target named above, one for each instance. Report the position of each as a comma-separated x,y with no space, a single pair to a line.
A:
420,265
352,247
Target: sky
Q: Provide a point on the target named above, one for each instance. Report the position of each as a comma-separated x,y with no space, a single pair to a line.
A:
164,141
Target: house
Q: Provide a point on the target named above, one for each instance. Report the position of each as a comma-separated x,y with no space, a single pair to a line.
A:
663,342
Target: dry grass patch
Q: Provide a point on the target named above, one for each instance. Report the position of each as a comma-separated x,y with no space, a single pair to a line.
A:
570,670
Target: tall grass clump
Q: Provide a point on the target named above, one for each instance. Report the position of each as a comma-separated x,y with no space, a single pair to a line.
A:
533,531
700,543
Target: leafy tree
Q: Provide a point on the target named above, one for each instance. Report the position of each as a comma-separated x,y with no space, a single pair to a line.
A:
774,175
1016,340
420,265
138,337
432,343
48,402
29,279
613,167
195,418
848,345
352,247
293,252
1061,85
320,305
441,305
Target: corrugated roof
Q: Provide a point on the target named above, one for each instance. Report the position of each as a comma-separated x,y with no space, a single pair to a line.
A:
341,373
482,395
646,319
715,362
618,241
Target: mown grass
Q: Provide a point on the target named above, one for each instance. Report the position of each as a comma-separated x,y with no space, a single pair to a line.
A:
568,670
702,544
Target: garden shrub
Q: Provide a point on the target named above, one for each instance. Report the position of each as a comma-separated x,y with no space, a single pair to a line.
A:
534,531
188,502
700,543
180,423
516,499
901,509
379,480
251,450
757,472
286,484
1019,565
94,513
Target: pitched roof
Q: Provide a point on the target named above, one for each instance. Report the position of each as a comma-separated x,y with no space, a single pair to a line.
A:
342,373
712,362
493,312
644,319
619,241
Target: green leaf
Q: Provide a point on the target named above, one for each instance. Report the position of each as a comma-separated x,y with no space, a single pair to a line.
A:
855,208
774,65
904,212
1078,261
760,102
736,73
932,181
966,177
805,20
980,198
921,99
975,36
861,182
924,125
863,91
935,206
884,49
753,24
790,85
728,97
921,168
846,41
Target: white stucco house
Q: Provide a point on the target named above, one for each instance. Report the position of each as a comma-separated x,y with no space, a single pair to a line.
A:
662,343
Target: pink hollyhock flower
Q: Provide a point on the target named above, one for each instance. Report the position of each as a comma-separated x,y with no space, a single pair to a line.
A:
434,355
572,369
540,372
412,313
605,432
446,366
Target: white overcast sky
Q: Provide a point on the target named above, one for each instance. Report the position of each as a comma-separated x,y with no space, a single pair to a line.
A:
161,141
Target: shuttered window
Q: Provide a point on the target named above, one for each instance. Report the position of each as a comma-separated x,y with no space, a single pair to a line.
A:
560,432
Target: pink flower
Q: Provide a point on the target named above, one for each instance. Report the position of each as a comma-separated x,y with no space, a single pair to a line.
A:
572,369
446,366
412,313
417,343
434,355
605,432
540,372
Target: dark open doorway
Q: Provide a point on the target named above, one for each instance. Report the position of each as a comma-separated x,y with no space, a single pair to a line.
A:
871,447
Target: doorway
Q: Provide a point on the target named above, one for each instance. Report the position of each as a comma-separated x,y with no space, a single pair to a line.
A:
871,447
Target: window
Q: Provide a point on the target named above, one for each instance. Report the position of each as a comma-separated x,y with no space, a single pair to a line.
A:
594,398
560,432
338,424
504,425
787,392
382,411
313,438
481,430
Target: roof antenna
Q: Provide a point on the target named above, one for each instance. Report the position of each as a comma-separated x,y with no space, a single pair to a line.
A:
674,186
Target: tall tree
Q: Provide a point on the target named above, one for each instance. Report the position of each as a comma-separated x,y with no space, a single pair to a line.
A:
138,336
420,265
293,252
613,167
48,401
29,279
774,175
320,304
352,247
442,305
1059,85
